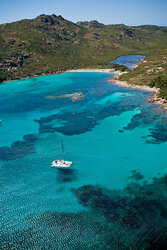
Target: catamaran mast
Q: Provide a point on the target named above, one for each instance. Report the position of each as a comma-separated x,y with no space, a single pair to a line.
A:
63,150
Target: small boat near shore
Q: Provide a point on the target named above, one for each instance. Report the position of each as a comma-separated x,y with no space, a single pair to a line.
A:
62,164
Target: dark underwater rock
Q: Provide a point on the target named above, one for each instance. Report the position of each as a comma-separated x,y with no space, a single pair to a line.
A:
30,138
120,131
85,193
95,198
137,208
18,148
136,176
140,221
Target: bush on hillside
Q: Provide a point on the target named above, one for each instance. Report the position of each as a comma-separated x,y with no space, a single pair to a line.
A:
160,82
3,76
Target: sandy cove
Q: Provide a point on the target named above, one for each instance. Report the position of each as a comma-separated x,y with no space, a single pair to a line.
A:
96,70
154,99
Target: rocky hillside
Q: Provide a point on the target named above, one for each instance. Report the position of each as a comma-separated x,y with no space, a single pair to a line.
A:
49,43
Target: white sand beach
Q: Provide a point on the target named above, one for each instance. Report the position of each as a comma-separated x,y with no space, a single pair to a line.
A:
96,70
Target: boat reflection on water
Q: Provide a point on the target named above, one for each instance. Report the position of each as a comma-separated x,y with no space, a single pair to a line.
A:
66,175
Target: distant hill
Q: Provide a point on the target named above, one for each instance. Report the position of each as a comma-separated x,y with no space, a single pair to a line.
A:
49,43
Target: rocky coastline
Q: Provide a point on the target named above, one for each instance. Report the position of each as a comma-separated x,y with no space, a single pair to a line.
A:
154,99
158,100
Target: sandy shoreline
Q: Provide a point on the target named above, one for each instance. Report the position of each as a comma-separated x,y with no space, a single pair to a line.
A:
95,70
125,84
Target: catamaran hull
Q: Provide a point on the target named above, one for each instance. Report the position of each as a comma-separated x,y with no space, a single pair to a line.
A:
61,164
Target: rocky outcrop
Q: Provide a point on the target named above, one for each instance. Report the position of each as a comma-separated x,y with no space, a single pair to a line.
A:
47,19
14,60
91,25
56,25
11,41
158,100
128,32
95,24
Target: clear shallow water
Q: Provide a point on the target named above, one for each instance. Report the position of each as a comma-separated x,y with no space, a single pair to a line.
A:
114,138
128,61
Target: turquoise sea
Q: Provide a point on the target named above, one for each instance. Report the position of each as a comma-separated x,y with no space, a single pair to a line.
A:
115,194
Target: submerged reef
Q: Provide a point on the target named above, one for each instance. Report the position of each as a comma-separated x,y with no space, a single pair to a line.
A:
132,218
138,210
18,148
67,123
159,133
136,175
74,123
152,117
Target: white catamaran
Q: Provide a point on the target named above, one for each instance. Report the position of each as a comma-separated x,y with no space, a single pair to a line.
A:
61,163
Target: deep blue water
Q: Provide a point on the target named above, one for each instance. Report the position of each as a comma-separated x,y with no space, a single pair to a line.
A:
128,61
110,199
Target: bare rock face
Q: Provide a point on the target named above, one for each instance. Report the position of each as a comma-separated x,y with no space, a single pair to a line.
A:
127,32
26,55
83,24
91,25
11,41
14,60
56,25
159,101
95,24
60,17
21,43
46,19
12,64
